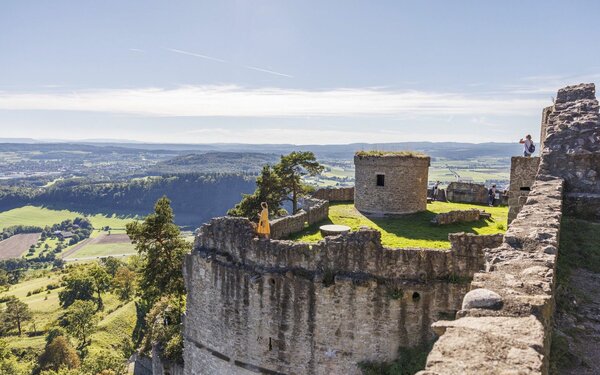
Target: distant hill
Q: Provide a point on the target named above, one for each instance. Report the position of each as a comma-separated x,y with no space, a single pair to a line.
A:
215,162
450,150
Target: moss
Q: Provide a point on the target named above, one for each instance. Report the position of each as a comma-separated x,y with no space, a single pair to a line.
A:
409,362
408,154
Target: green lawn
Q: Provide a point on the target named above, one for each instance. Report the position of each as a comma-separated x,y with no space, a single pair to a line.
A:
412,230
95,250
115,328
40,216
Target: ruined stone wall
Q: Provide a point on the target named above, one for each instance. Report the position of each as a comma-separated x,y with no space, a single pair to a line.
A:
457,216
314,210
544,128
162,366
405,184
505,322
572,149
523,172
506,319
467,192
282,307
344,194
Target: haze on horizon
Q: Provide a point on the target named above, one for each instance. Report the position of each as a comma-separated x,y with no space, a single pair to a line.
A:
289,72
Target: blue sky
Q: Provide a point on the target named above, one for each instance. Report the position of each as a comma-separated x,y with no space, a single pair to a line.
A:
289,71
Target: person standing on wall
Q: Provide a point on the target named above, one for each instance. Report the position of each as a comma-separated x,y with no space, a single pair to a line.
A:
492,195
528,146
436,190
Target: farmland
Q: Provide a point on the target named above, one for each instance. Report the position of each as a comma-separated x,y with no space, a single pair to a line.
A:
16,245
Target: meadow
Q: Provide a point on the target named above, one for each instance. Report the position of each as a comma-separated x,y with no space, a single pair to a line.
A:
41,216
414,230
117,320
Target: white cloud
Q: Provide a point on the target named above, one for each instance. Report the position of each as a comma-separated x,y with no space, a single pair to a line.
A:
235,101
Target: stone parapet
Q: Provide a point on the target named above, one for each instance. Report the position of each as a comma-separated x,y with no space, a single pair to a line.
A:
342,194
515,334
359,252
314,211
467,192
457,216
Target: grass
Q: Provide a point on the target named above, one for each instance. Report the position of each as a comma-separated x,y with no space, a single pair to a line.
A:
116,324
40,216
412,230
412,154
105,249
115,328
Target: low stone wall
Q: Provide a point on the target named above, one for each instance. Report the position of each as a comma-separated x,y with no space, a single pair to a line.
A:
161,366
467,192
140,365
458,216
343,194
505,322
315,210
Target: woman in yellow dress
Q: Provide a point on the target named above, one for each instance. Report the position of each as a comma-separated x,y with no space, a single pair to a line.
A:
264,230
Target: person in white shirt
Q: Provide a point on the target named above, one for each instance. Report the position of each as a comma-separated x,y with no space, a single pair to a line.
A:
528,146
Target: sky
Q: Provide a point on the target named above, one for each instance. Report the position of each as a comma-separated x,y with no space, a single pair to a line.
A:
303,72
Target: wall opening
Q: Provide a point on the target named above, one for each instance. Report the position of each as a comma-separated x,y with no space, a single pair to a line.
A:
525,188
380,180
416,297
270,345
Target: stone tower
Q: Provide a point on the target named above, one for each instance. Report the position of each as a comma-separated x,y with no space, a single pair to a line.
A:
391,182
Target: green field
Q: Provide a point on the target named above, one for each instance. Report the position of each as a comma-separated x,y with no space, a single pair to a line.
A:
40,216
413,230
103,249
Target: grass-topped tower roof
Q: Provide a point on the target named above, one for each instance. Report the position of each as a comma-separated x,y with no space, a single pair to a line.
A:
391,182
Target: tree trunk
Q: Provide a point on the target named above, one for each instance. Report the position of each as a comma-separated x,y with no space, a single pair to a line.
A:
19,326
294,199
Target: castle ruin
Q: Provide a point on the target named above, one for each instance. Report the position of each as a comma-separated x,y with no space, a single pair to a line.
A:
390,182
282,307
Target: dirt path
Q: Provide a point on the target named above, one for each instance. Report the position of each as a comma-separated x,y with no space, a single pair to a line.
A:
16,245
579,326
80,245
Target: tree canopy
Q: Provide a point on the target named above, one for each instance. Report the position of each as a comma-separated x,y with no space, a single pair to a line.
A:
276,184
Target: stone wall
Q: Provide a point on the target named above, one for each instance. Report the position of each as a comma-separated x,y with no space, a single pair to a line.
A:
457,216
161,366
522,176
405,184
314,210
506,319
505,322
467,192
343,194
572,149
282,307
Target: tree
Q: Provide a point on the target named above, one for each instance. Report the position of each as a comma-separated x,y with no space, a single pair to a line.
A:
10,364
291,168
101,282
58,354
104,362
268,189
17,312
159,242
111,264
124,283
80,321
79,285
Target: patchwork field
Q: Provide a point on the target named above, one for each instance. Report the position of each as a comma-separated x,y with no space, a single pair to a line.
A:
16,245
411,230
